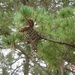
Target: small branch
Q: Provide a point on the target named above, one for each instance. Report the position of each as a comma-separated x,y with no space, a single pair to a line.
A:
16,69
14,61
59,42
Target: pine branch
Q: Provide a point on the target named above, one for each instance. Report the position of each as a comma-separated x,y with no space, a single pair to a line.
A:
59,42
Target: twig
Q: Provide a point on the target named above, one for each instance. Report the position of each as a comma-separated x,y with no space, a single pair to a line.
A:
16,69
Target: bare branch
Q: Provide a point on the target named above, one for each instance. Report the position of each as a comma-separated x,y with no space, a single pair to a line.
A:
16,69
